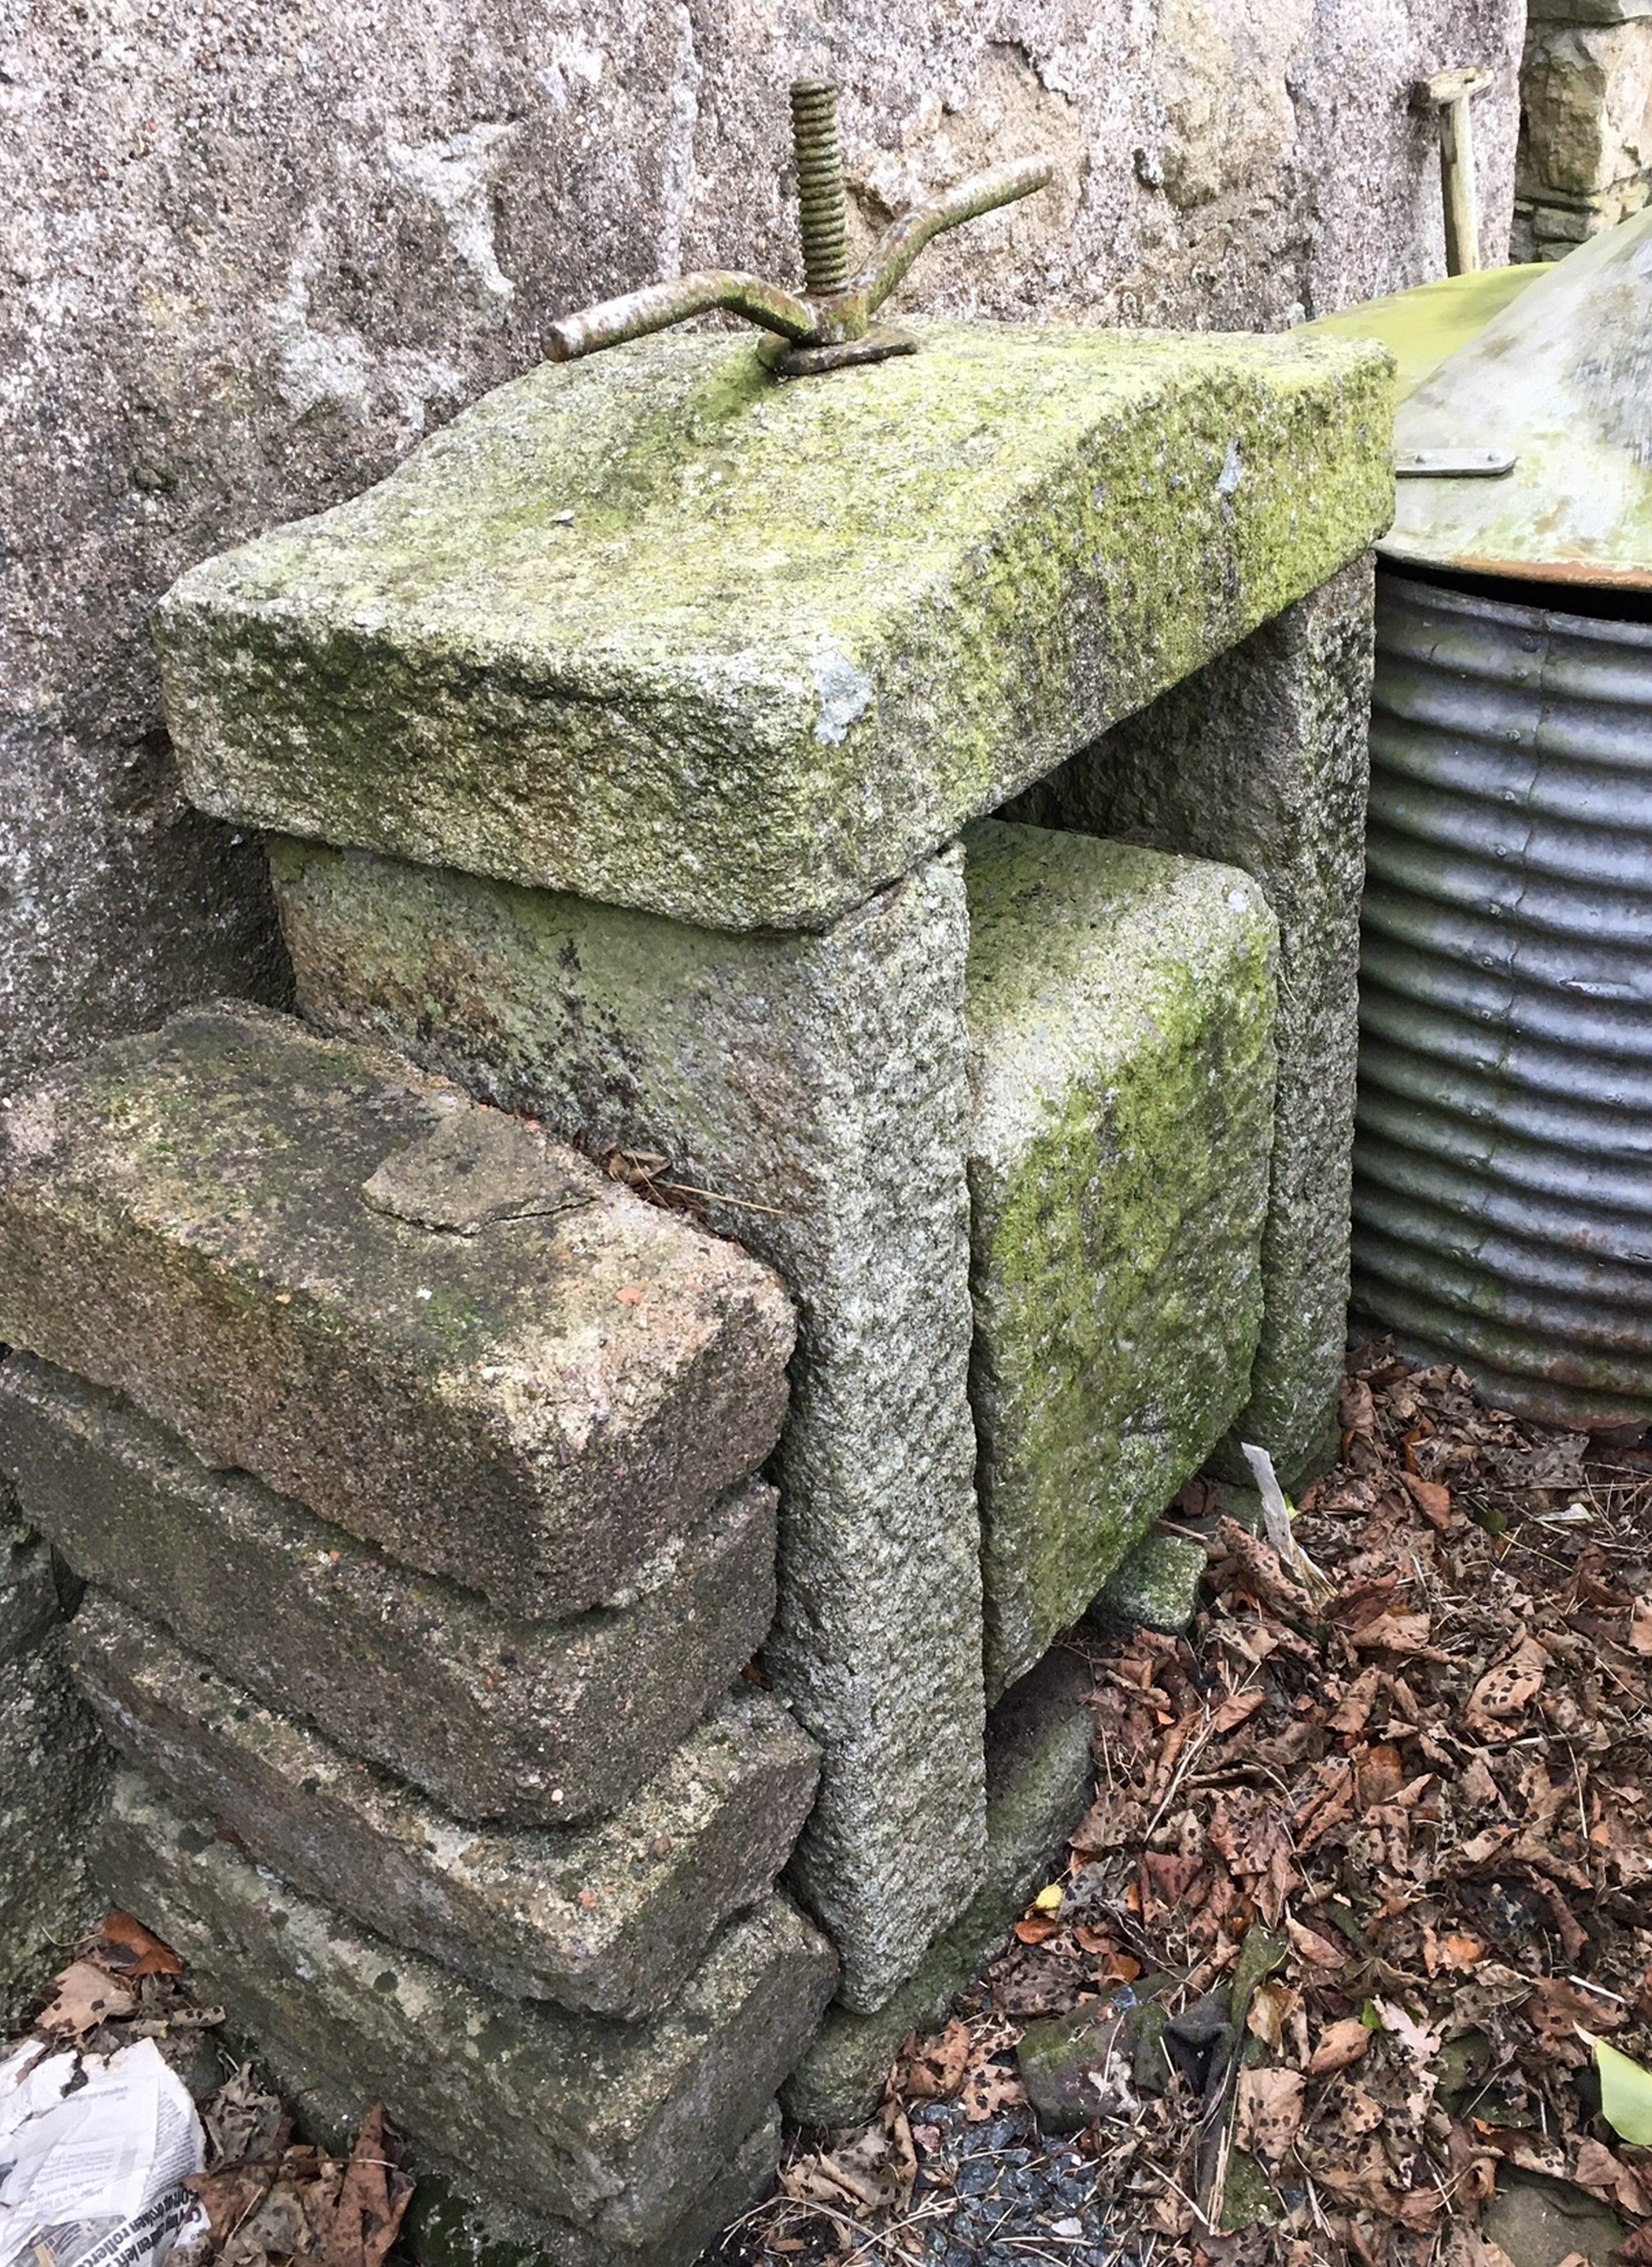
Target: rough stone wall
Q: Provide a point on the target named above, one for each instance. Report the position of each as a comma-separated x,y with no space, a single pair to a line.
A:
1585,151
251,253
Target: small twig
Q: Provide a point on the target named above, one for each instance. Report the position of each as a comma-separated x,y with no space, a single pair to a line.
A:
716,1196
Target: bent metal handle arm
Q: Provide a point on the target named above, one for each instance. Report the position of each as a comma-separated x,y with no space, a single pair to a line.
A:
658,305
903,239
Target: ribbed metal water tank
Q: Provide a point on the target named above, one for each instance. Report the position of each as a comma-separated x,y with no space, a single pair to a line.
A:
1503,1165
1504,1161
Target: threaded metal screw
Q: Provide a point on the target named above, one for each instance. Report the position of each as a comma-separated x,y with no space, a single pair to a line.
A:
820,196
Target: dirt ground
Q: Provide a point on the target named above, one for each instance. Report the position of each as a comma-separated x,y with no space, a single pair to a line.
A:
1365,1885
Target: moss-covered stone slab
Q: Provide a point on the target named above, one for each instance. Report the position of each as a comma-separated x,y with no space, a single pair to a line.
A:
1121,1018
619,2127
659,629
816,1086
1261,760
542,1409
1041,1779
494,1715
613,1918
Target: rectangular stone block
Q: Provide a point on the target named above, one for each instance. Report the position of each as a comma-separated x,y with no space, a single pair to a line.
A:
53,1769
612,1919
1260,762
445,2229
29,1602
1119,1006
661,631
497,1717
417,1316
816,1086
619,2127
1041,1780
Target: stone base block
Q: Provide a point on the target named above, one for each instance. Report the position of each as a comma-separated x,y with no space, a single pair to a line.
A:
443,2228
529,1721
1156,1587
816,1086
613,1918
1041,1781
53,1777
29,1600
1261,760
1120,1007
617,2127
417,1316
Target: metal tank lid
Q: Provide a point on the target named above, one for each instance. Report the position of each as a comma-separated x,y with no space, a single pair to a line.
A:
1560,381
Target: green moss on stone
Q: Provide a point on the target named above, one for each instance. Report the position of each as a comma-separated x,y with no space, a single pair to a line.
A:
1121,1007
661,630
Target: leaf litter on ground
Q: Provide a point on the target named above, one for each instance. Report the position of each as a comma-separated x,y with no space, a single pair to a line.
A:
266,2198
1359,1910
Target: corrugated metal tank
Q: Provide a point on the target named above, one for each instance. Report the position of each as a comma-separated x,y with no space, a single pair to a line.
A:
1503,1162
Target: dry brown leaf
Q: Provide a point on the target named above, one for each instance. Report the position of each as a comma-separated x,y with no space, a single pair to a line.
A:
1320,1951
1432,1501
125,1948
1351,1713
1237,1711
1606,2177
1268,2111
1507,1690
1641,1625
933,2068
988,2087
372,2197
1393,1633
83,1996
1271,2008
1557,2010
1339,2045
1037,1928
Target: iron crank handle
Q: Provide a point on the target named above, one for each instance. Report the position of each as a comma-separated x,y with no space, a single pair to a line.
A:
904,238
658,305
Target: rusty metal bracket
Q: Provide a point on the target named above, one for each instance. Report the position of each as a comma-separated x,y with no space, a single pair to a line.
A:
830,324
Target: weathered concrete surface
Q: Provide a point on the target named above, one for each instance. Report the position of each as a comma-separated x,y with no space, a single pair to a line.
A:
497,1717
253,253
52,1772
543,1410
444,2229
660,629
1120,1009
816,1084
1039,1782
1260,761
619,2126
613,1919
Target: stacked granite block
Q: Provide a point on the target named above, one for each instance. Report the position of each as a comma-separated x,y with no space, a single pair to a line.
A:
409,1462
53,1766
621,754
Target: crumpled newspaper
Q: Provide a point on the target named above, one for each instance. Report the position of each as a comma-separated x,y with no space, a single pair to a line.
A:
93,2151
